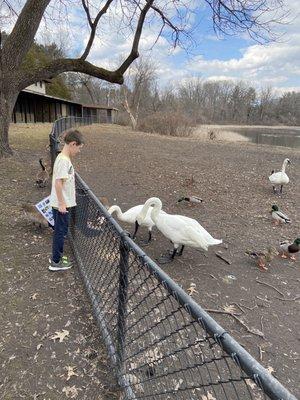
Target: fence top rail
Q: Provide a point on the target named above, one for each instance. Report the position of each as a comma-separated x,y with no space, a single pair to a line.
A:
271,386
55,131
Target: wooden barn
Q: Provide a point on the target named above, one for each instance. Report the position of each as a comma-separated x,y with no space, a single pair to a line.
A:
34,105
104,114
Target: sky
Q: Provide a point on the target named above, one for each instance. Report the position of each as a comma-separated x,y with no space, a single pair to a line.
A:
209,57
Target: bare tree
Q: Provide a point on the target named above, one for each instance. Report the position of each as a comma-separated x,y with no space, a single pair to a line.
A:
230,17
138,89
288,108
13,51
265,102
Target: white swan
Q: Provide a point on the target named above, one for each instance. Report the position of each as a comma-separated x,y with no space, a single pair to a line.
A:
179,229
280,178
130,217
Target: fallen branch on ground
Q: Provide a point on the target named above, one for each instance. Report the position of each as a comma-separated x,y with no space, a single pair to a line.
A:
248,308
261,351
284,299
223,258
253,331
273,287
261,323
260,298
240,307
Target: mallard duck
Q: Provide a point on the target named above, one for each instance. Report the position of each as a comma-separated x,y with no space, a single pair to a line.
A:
289,249
278,216
180,230
280,178
263,258
190,199
42,176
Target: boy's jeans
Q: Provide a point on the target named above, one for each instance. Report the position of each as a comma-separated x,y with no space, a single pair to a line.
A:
61,224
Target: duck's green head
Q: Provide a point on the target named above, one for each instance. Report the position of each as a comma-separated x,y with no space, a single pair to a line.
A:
297,241
274,207
182,198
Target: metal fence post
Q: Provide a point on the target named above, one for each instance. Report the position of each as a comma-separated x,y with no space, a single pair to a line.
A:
122,304
52,150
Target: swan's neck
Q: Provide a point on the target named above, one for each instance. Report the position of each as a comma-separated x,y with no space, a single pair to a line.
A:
156,210
284,166
42,165
116,209
157,206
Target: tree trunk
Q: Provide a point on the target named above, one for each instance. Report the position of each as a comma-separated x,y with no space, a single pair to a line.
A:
7,102
127,109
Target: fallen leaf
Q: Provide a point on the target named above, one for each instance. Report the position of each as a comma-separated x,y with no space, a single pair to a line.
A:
250,383
208,396
70,391
71,372
34,296
37,395
192,289
178,384
230,308
60,335
270,369
39,346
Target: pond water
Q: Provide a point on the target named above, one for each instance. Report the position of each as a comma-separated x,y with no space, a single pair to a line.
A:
280,137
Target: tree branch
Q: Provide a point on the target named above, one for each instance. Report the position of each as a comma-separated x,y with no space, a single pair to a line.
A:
166,21
135,44
22,36
93,25
87,11
59,66
10,7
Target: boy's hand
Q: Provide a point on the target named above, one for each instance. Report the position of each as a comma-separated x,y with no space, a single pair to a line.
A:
62,208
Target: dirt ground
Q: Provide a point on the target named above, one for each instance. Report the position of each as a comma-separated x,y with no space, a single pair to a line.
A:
232,180
129,167
37,305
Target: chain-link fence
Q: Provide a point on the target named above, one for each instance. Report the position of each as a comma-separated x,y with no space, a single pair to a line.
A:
63,124
161,343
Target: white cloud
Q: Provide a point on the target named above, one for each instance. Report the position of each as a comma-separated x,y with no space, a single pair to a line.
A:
275,64
269,64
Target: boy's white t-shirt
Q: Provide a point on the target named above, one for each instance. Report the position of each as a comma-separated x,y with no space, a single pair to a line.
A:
63,169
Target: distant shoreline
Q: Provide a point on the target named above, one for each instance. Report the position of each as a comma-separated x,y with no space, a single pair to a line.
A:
239,133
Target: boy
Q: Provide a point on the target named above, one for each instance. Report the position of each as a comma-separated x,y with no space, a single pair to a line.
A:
63,197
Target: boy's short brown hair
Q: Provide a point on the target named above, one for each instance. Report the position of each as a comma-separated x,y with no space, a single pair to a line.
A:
73,136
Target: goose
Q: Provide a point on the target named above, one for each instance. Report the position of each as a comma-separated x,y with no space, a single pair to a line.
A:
190,199
289,249
130,216
32,214
180,230
42,177
280,178
278,216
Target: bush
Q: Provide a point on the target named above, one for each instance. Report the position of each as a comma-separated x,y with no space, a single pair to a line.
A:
123,118
170,123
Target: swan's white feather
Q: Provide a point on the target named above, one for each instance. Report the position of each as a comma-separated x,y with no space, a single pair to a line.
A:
179,229
279,178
